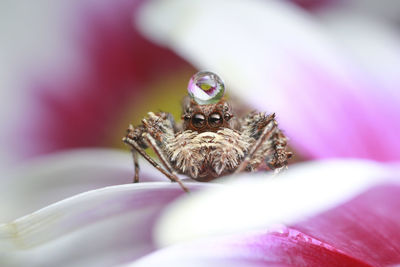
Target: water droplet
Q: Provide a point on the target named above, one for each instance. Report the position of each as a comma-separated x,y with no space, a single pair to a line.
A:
206,88
279,229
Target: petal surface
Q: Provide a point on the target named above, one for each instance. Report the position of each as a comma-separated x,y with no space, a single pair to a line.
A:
304,190
102,227
281,59
57,176
387,9
286,247
337,214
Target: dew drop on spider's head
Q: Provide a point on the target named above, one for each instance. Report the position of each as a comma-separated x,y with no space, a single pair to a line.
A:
206,88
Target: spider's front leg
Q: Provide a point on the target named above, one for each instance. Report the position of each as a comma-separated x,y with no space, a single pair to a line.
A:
152,133
268,143
134,138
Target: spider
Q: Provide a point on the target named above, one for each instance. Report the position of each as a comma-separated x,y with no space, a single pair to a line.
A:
211,141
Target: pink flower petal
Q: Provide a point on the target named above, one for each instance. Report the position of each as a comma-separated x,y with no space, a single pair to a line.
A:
283,60
366,227
359,228
286,247
313,5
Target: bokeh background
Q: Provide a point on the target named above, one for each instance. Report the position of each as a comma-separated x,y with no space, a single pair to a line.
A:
75,73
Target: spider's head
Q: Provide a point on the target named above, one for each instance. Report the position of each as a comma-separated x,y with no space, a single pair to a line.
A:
205,110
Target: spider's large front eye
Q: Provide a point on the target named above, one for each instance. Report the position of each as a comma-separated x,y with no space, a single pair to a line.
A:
215,120
198,121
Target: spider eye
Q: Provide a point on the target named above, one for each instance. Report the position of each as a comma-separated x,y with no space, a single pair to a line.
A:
198,121
215,120
227,116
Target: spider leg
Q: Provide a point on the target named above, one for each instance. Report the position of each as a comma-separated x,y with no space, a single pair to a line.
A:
156,165
164,161
280,157
132,134
136,165
267,132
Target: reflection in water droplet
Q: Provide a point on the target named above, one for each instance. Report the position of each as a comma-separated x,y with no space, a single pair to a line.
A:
206,88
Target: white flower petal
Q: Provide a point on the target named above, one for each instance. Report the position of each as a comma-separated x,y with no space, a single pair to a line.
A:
385,9
372,44
303,191
57,176
97,228
283,60
254,45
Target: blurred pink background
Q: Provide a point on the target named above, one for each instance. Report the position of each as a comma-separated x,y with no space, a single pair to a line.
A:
76,73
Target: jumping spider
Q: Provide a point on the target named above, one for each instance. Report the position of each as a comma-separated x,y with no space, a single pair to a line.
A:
211,141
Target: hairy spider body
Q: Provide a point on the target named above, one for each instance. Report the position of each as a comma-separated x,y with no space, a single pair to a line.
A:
210,142
208,155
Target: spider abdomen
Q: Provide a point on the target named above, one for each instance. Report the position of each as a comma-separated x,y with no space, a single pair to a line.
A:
208,155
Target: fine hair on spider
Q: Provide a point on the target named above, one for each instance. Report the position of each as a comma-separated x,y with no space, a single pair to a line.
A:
210,141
